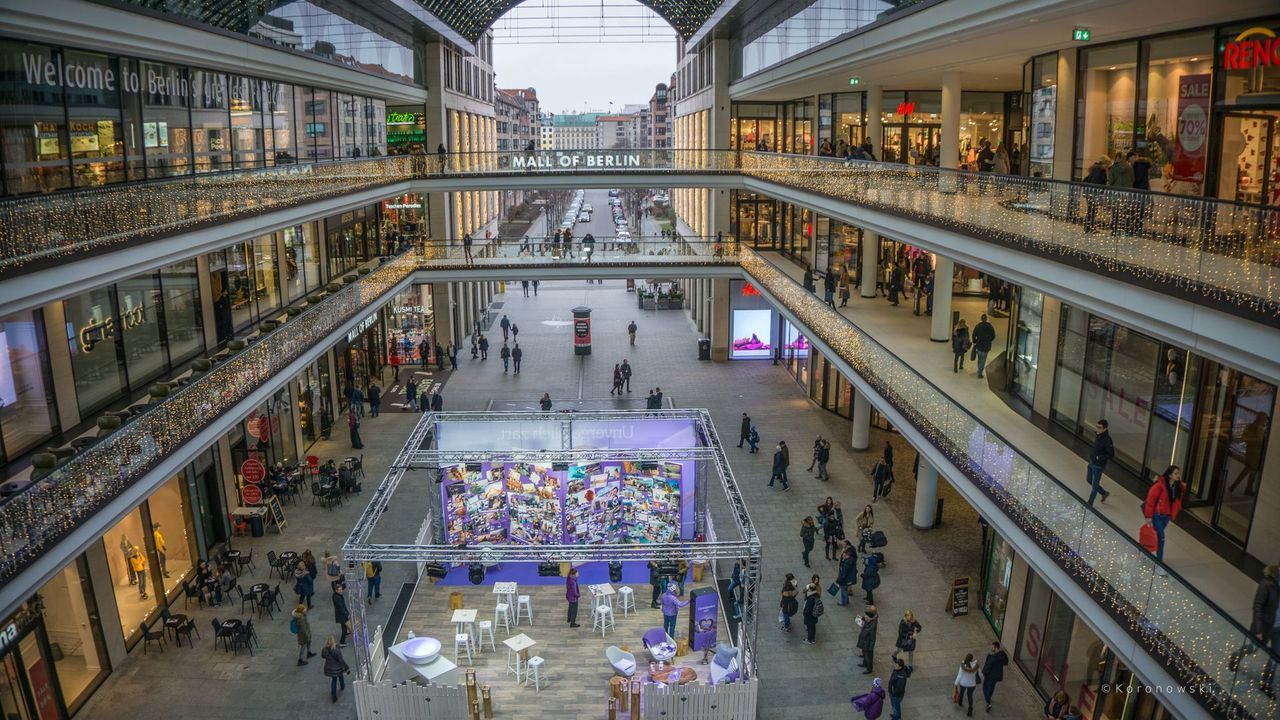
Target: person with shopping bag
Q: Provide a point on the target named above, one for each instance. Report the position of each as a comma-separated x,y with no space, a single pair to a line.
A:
1164,501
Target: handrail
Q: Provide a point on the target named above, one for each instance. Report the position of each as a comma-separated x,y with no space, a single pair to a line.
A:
49,509
1179,627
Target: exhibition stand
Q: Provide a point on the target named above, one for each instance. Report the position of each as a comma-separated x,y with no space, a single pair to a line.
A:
633,501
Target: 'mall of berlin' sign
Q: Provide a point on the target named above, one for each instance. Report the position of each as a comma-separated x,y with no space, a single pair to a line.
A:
573,160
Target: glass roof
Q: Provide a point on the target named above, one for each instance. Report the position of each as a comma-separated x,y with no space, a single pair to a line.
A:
470,18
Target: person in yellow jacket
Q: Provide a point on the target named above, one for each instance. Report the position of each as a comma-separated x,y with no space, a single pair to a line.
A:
160,548
373,576
138,564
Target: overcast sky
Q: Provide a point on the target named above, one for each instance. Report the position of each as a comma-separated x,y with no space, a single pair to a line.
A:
571,73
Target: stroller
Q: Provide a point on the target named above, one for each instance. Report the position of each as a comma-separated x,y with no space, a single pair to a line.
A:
876,539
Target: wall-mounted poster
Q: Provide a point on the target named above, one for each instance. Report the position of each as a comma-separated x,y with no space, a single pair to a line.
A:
593,504
650,503
533,496
475,505
795,343
751,334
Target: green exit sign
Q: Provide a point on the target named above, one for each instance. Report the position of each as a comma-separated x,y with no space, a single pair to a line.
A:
1082,34
855,80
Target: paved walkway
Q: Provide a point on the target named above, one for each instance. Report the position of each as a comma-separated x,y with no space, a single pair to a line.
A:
797,680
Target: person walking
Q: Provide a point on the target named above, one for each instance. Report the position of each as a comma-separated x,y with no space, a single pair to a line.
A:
833,531
843,289
895,283
1163,503
545,402
353,423
871,577
357,399
411,394
993,672
335,667
817,443
829,290
824,456
303,585
960,345
808,280
341,615
332,569
863,525
626,374
395,365
812,611
516,355
879,480
1119,176
571,595
1266,622
524,284
966,681
483,344
789,605
437,401
808,533
515,332
868,624
505,354
1099,455
908,630
301,627
983,335
452,353
650,402
657,584
631,332
375,399
848,573
617,380
754,440
505,324
671,609
871,703
373,580
744,431
779,467
535,288
466,248
898,687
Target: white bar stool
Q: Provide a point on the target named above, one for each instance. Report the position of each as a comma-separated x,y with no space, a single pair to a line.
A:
532,667
524,605
483,627
463,640
502,612
602,617
626,600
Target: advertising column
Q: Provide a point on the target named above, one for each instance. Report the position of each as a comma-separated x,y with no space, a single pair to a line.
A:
582,330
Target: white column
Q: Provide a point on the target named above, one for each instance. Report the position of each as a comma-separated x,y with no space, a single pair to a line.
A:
875,129
861,439
943,271
870,258
950,140
926,496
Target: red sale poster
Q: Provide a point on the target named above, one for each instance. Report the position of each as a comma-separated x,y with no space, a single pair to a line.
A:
1193,127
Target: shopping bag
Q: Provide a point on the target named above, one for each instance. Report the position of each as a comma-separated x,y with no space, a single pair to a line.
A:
1147,538
955,695
833,589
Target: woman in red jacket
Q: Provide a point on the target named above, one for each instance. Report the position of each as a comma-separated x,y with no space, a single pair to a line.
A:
1164,501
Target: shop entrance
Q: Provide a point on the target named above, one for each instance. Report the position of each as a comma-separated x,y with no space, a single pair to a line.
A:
915,144
27,687
1250,166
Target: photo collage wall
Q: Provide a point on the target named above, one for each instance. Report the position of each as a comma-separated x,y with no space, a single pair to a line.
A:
608,502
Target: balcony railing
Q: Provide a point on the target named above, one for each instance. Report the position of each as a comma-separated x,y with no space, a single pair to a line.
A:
1194,640
1223,254
44,513
680,252
1219,254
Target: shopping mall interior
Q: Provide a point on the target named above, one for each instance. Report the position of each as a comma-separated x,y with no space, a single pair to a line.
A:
327,328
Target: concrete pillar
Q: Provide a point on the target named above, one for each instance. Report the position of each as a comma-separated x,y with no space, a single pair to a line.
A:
55,326
926,496
1065,118
950,140
442,313
943,272
205,285
1047,360
875,127
861,439
870,258
720,319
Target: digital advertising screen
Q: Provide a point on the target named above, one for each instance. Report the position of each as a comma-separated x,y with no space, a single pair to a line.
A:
751,334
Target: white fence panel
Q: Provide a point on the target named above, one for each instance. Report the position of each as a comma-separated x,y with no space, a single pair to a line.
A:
409,701
734,701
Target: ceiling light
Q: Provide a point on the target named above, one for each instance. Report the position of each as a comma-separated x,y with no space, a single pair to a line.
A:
1194,59
1113,67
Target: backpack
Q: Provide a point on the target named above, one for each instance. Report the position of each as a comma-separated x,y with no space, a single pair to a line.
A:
817,607
293,626
334,569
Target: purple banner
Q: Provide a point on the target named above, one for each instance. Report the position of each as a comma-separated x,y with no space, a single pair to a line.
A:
703,617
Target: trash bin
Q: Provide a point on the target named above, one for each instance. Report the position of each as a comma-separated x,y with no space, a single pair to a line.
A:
257,526
704,348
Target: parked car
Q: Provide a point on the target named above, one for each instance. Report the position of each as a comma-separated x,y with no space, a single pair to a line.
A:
587,208
613,193
584,217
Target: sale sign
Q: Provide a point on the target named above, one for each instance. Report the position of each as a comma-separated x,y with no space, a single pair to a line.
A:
251,495
1192,128
253,471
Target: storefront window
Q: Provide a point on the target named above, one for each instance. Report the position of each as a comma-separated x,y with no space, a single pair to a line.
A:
1031,636
1119,377
172,535
95,358
283,123
27,415
210,122
319,124
75,636
242,285
1105,122
302,259
1249,168
96,135
131,576
1043,117
140,324
166,123
1178,73
246,122
182,319
266,274
1026,344
996,581
1068,378
850,121
33,124
981,118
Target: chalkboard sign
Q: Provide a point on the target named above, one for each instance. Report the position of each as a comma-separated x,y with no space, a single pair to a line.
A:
958,598
277,513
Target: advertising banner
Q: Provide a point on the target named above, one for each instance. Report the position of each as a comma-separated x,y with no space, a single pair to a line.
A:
1193,128
703,618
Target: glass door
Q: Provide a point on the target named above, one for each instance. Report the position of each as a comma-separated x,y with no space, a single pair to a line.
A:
894,144
1250,169
925,142
41,682
14,702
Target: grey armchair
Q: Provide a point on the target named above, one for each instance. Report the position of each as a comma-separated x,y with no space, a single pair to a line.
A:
623,662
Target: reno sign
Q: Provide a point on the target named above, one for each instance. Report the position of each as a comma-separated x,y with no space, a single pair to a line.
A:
1255,47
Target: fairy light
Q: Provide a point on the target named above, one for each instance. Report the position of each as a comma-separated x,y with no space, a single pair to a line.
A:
1188,636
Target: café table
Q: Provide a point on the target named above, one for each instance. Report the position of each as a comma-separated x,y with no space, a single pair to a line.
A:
518,648
288,559
173,622
671,675
464,621
506,592
229,629
603,594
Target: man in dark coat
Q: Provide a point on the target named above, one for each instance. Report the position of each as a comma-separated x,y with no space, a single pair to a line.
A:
983,335
869,621
745,431
779,468
1099,455
341,614
993,671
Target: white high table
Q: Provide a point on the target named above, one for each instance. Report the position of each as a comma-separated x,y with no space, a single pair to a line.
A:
441,671
518,646
602,594
506,592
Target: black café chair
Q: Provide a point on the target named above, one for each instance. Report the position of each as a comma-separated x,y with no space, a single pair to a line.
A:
220,632
187,629
172,622
192,592
253,634
264,603
245,561
242,639
245,598
151,636
275,597
277,564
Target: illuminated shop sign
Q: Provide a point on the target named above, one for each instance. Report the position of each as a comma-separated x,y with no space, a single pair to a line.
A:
571,160
1255,47
402,118
94,332
364,325
906,108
